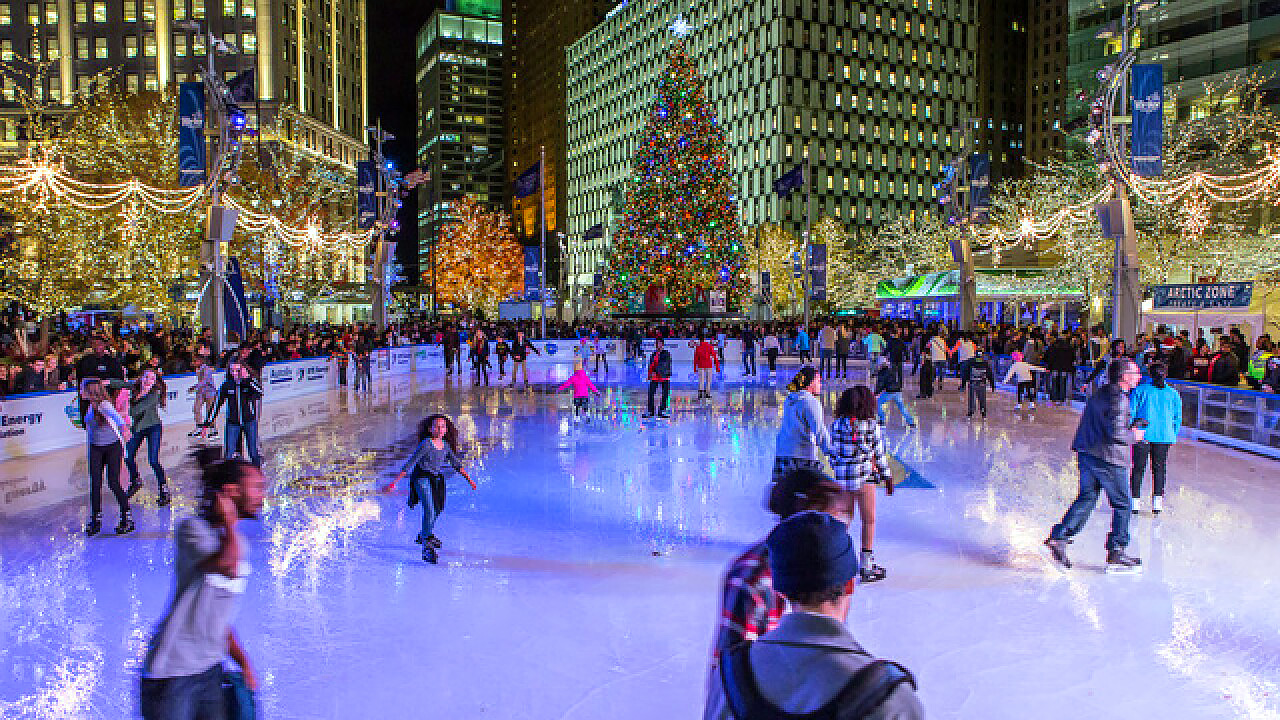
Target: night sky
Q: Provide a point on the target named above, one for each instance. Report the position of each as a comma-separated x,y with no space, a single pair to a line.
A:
393,25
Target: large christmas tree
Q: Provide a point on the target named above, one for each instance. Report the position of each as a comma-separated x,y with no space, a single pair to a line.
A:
679,235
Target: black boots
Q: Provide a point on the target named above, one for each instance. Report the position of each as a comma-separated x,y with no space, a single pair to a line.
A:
94,526
126,525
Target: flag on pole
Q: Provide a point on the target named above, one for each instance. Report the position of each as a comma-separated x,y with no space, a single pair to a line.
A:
416,178
593,232
243,87
528,182
793,180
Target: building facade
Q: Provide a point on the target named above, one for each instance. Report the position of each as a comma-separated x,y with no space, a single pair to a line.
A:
1046,93
538,31
1201,44
877,92
309,58
1000,128
461,128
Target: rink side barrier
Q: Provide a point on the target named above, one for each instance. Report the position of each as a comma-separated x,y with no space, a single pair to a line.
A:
40,422
1237,418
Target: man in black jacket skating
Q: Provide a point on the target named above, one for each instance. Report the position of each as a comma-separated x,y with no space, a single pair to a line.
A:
1103,447
241,393
659,377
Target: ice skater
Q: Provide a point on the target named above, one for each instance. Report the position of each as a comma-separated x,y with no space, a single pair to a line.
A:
1160,406
979,374
1024,373
520,348
659,378
206,393
427,467
150,394
583,388
705,361
1103,452
889,388
861,463
106,433
802,434
241,393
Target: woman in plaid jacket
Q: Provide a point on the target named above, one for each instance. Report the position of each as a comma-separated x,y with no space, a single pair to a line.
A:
860,462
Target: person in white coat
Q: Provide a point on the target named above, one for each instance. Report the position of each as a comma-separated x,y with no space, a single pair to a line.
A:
1024,373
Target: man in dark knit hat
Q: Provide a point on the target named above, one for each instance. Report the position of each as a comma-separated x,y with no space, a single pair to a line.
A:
810,664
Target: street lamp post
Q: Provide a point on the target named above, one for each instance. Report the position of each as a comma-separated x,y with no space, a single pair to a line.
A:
1109,141
221,220
387,194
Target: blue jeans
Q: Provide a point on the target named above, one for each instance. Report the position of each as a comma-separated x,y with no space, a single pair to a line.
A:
748,362
152,435
190,697
883,399
824,361
431,493
232,440
1097,476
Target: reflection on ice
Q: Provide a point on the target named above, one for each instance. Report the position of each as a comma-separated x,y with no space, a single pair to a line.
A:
580,580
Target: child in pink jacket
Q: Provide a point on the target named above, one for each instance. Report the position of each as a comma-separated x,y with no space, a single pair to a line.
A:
582,388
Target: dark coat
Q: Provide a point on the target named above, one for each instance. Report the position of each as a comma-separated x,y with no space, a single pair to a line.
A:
1104,430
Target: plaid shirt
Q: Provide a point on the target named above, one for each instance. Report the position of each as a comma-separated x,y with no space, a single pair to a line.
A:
750,607
858,454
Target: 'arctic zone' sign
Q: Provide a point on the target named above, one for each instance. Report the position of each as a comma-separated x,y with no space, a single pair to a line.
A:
1201,296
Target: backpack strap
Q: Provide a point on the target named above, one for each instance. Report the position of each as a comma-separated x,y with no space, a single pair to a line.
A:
868,689
741,692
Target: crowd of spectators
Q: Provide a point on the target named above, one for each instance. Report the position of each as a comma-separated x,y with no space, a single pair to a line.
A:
30,362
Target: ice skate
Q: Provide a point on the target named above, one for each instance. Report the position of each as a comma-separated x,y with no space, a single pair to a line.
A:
126,525
1137,505
1058,550
1121,563
1157,504
94,526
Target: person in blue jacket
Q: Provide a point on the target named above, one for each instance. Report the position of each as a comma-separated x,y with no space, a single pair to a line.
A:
803,348
1161,407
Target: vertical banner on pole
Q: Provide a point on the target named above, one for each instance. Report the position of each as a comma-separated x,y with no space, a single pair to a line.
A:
766,287
366,198
818,272
1148,119
979,187
796,268
191,165
532,292
233,299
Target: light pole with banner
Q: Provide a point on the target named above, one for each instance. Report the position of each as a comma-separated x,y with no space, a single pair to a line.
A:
1123,155
232,124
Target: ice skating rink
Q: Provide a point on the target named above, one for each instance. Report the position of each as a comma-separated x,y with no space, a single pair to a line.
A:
580,582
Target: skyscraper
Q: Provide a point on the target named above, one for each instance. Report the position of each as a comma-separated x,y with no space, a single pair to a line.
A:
461,129
538,31
878,94
309,58
1000,127
1046,98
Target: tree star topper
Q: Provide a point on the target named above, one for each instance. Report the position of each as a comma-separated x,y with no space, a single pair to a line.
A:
681,27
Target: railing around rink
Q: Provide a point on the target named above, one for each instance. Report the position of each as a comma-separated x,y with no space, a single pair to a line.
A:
1237,417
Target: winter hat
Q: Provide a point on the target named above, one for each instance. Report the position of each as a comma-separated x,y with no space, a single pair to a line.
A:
1017,356
811,552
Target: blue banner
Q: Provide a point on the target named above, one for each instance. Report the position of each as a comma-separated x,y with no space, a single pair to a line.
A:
532,291
979,187
818,272
529,181
793,180
594,232
191,165
234,305
366,194
766,287
1148,119
1201,296
797,269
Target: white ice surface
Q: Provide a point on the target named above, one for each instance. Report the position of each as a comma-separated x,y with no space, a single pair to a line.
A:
581,580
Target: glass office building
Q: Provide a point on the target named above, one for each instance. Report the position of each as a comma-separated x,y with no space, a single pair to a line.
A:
879,93
460,117
1200,43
